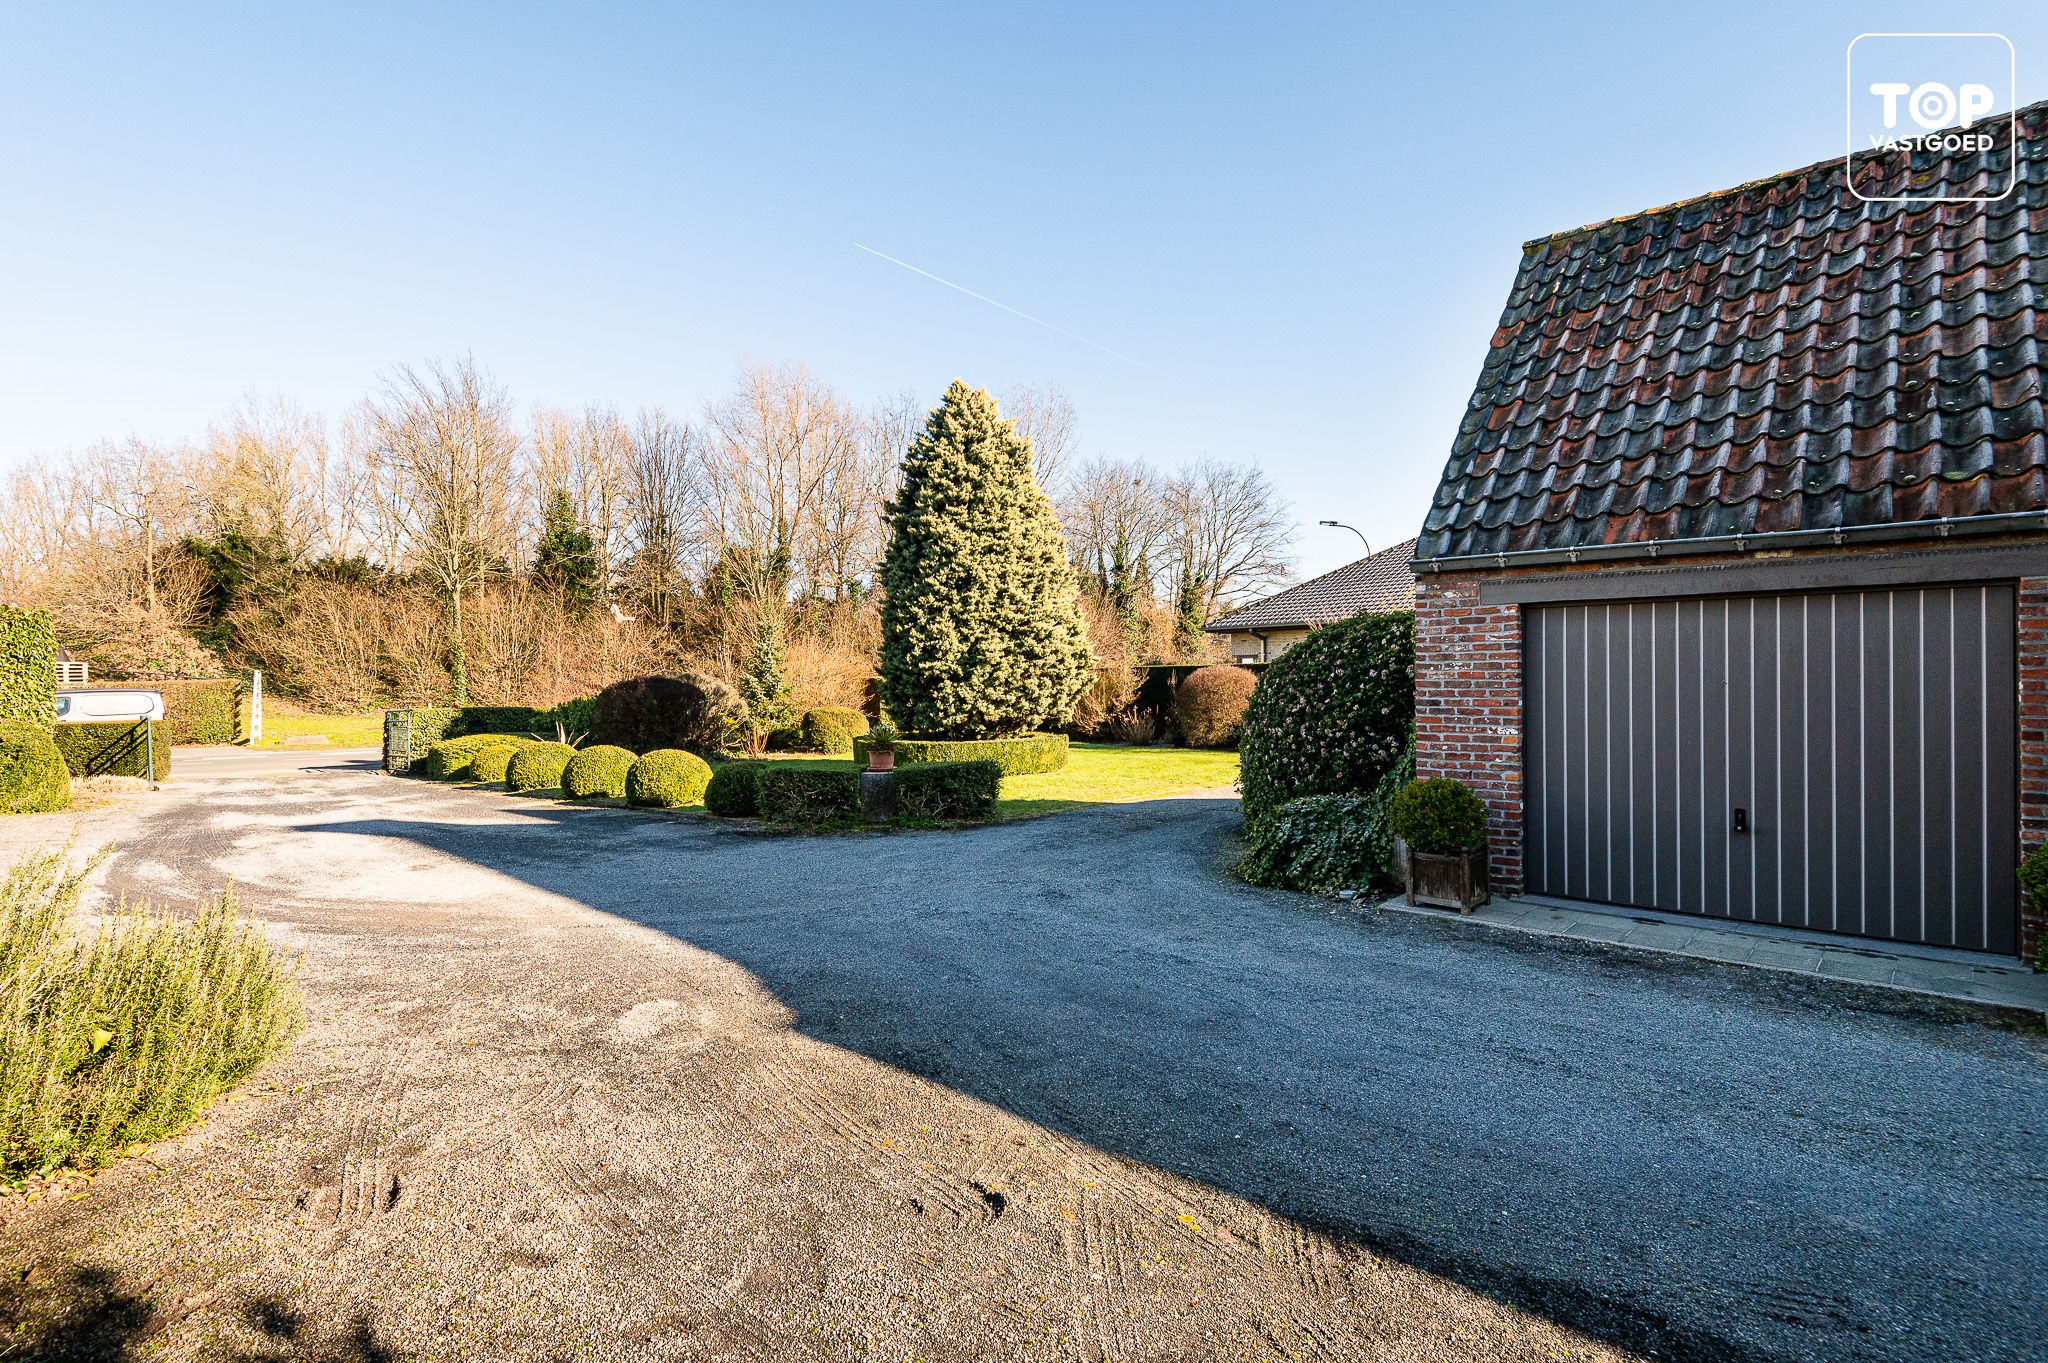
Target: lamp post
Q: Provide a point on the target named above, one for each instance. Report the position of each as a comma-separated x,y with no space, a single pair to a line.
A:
1354,530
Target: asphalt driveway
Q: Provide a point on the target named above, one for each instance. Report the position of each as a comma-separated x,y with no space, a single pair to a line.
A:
588,1083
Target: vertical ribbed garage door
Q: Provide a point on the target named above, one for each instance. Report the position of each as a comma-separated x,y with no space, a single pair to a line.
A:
1842,761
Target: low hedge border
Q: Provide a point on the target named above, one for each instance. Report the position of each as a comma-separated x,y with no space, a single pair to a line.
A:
808,794
1025,756
112,749
948,792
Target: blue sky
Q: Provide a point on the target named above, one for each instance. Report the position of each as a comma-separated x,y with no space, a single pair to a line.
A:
1304,218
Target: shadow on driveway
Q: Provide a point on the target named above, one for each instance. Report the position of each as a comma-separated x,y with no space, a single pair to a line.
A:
1682,1159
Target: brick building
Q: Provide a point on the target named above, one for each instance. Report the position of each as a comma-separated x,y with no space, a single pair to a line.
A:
1733,598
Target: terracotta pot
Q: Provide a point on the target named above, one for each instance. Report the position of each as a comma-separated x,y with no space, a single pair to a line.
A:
881,759
1455,881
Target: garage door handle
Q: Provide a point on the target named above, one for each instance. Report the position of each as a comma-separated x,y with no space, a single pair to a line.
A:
1742,821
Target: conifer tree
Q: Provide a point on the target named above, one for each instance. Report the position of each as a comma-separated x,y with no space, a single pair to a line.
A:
565,560
982,636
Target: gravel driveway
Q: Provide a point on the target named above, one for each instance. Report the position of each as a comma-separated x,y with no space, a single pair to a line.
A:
592,1084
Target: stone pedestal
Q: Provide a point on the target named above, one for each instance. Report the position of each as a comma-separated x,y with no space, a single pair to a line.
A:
878,797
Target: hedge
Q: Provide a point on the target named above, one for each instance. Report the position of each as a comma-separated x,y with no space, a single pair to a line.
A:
28,666
208,711
450,759
831,729
33,779
812,794
1332,715
1012,756
667,778
597,772
112,749
948,791
734,790
1320,843
537,766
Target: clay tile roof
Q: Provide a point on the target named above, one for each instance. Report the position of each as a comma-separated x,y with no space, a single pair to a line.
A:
1382,582
1779,356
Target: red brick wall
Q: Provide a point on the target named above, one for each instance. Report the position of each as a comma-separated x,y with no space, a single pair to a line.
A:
2033,663
1468,708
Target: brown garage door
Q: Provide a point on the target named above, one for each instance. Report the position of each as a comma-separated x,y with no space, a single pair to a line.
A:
1843,761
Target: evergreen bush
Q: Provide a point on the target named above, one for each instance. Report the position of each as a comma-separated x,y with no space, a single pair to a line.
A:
28,665
1439,816
597,772
831,729
667,778
646,713
982,634
33,778
1209,705
537,766
948,792
1332,716
2034,890
450,759
734,790
493,760
810,794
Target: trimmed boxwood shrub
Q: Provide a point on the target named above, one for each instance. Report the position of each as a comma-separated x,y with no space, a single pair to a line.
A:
1439,816
944,792
598,771
667,778
1332,716
449,760
111,749
537,766
28,667
207,711
33,778
831,729
1321,843
734,790
812,794
646,713
493,760
1209,703
1012,756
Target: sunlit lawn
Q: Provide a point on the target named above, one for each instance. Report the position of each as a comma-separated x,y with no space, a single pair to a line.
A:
282,720
1103,774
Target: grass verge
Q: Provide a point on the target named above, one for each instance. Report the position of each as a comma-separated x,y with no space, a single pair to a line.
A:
126,1035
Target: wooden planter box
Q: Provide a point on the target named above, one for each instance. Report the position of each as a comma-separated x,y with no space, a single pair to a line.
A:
1445,882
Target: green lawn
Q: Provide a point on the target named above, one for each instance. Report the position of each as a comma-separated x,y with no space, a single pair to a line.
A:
282,720
1104,774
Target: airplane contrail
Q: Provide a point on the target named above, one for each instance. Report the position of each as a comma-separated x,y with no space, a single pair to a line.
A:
1014,312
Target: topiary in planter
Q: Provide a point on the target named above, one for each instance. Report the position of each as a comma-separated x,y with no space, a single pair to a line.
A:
598,771
1209,705
831,729
491,763
1332,716
734,790
537,766
667,778
2034,889
33,777
1439,816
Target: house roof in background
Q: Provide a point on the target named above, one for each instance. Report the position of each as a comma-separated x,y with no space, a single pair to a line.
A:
1379,582
1779,356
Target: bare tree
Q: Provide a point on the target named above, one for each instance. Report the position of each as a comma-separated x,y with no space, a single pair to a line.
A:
1116,523
444,439
1045,416
587,455
662,504
261,478
1228,533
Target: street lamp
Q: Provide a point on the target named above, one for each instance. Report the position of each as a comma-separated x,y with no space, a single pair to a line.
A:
1354,530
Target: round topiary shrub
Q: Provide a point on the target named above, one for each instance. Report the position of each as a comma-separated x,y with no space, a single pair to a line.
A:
1439,816
1332,716
1209,705
735,790
646,713
490,763
33,777
450,759
666,778
831,729
537,766
598,771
